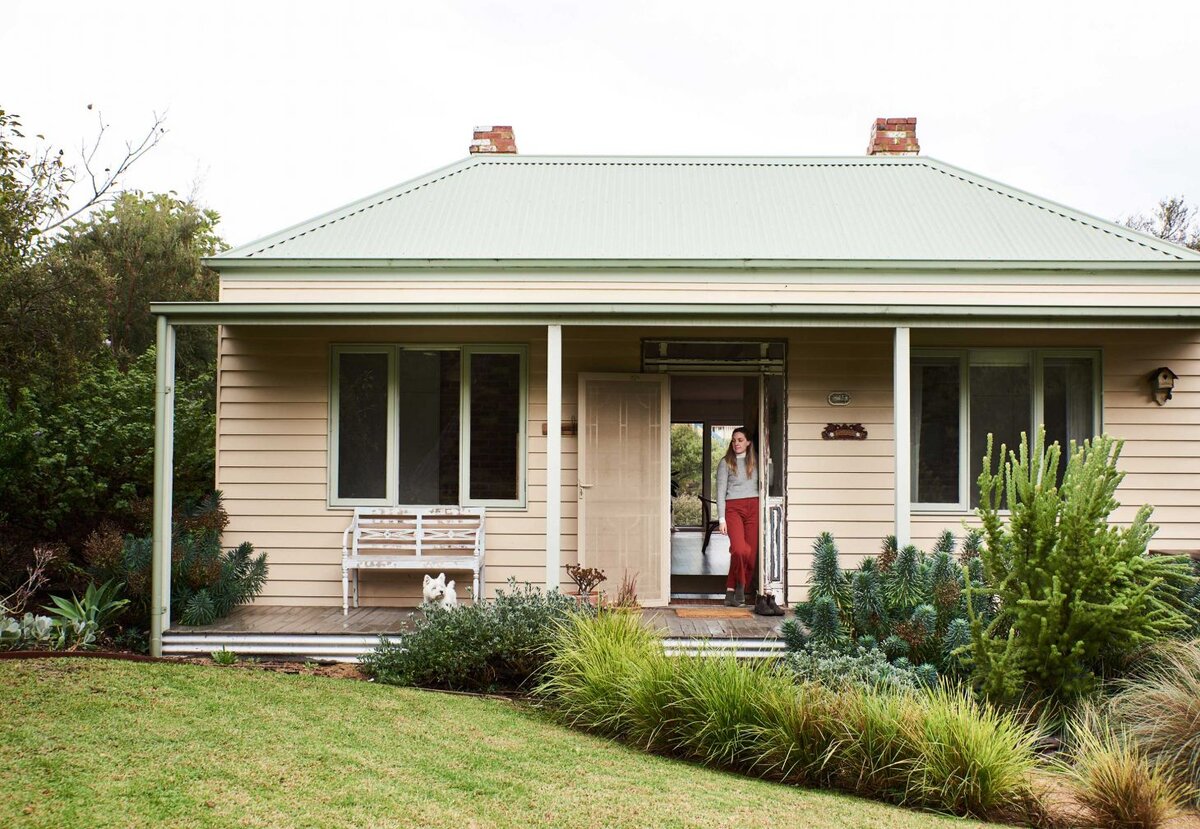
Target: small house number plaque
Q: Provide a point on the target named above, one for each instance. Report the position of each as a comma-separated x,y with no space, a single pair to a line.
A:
839,398
844,431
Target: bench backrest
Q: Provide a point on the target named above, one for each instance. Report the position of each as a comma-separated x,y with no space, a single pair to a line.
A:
418,531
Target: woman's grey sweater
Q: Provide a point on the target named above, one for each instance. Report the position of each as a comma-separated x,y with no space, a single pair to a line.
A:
733,486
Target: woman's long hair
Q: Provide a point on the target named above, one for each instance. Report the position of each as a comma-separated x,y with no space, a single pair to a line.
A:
731,456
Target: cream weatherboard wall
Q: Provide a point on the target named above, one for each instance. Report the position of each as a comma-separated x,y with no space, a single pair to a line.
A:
272,440
650,285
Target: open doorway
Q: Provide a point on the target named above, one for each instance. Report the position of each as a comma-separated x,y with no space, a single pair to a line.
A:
705,409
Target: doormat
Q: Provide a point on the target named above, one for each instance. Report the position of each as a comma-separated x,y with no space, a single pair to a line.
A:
713,612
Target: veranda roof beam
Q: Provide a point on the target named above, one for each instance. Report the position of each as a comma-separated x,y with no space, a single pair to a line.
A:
688,314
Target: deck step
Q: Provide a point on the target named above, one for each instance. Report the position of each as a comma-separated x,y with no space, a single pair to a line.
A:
346,647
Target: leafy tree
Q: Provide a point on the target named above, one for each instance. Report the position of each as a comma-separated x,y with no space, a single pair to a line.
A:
51,317
687,450
1172,219
1076,594
139,249
87,453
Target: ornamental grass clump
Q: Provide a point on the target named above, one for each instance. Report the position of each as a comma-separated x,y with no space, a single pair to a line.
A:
1159,707
874,753
1111,778
718,701
593,664
937,750
797,730
972,759
1070,595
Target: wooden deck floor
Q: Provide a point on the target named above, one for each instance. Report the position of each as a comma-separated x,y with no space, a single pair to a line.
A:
695,623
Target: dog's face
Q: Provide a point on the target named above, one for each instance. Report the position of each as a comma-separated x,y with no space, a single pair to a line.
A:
435,589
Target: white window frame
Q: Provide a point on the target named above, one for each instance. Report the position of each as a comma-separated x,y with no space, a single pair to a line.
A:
466,351
1035,358
334,426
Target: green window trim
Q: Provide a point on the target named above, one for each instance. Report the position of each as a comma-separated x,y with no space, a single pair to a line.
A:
1036,359
393,350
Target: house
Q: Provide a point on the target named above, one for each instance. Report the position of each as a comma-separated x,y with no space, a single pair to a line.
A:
521,332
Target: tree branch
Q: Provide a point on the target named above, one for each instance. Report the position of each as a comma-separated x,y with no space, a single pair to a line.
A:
103,183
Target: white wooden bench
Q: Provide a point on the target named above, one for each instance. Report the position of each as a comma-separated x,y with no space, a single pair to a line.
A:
429,539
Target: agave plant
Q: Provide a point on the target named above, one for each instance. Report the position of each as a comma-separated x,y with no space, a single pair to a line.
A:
97,608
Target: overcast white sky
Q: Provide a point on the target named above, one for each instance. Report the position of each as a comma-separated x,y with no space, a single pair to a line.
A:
283,110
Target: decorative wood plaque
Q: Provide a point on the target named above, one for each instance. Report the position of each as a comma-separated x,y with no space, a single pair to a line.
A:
569,427
844,431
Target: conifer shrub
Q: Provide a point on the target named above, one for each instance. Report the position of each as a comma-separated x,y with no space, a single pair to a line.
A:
908,605
1071,596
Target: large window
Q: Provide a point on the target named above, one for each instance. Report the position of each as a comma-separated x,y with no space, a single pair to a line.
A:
960,397
426,425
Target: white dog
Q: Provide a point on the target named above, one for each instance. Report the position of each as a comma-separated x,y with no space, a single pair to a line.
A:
440,592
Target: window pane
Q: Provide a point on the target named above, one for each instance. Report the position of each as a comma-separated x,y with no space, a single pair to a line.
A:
1000,405
1069,401
362,425
495,426
428,427
935,431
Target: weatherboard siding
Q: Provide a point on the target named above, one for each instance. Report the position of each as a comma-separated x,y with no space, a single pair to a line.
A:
1161,457
273,393
709,287
272,463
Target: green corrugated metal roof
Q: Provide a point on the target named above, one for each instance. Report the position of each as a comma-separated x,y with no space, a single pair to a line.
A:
663,209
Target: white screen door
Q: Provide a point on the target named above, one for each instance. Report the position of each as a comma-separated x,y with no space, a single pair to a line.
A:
624,463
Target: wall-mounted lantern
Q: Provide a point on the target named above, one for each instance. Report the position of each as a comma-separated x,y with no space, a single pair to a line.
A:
1162,383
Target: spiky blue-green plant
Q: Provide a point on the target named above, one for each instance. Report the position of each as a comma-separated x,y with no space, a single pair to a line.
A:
975,571
945,587
971,546
905,586
825,622
868,608
927,674
895,647
956,642
827,577
945,543
920,632
887,553
867,642
793,635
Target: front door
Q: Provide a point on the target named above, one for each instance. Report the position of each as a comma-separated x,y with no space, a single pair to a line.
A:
624,468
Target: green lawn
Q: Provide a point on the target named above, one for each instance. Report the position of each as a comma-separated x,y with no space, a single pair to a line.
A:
90,743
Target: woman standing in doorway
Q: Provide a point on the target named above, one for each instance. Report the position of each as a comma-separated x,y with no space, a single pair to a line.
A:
737,506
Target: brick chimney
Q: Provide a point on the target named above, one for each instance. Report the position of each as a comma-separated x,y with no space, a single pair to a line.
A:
494,140
894,136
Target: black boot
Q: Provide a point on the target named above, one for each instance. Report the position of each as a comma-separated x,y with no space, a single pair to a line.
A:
739,596
730,600
774,607
762,607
